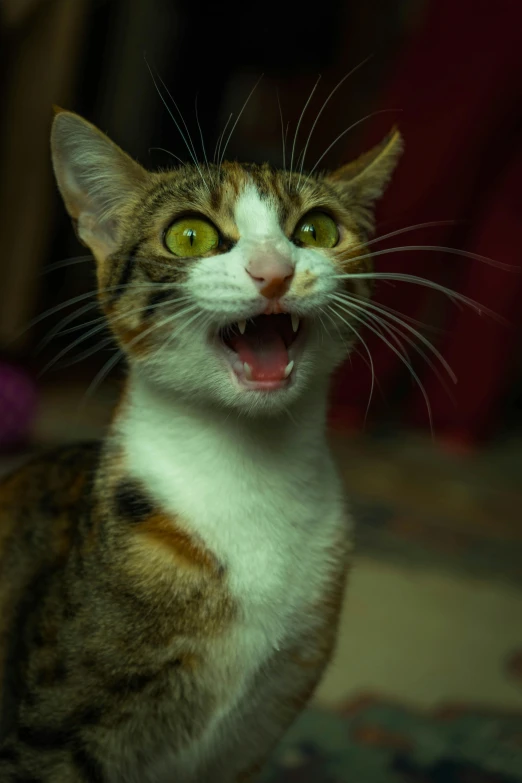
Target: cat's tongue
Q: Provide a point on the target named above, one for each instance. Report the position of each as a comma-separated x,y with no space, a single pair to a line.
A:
263,349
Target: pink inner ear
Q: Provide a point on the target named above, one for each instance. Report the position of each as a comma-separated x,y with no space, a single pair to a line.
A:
99,236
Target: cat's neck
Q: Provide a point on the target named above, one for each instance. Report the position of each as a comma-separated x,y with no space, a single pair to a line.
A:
231,478
158,417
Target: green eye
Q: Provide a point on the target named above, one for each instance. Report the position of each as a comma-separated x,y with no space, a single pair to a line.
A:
317,229
191,236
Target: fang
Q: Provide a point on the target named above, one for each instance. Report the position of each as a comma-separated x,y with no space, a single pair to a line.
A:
295,322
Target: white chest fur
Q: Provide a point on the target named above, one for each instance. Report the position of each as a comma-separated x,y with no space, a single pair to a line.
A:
263,497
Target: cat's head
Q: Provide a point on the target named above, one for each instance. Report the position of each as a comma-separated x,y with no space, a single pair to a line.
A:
222,282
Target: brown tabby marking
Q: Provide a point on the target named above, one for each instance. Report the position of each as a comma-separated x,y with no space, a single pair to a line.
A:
130,651
152,643
163,531
178,607
160,632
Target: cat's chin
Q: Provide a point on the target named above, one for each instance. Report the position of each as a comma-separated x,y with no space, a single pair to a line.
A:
210,371
264,403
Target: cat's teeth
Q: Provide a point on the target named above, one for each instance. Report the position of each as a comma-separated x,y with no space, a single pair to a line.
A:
289,368
248,371
242,326
295,322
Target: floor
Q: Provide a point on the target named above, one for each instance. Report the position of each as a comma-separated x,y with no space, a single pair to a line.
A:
427,639
433,612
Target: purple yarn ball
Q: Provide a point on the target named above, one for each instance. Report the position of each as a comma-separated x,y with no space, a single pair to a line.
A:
18,402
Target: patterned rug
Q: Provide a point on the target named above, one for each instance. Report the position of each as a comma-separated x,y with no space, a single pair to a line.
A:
384,529
373,741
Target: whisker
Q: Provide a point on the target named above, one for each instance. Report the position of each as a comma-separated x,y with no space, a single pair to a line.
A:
300,164
238,118
338,85
376,381
101,324
453,295
185,325
68,348
385,309
190,147
341,336
89,295
57,308
89,352
166,322
340,136
324,329
108,366
381,325
406,363
282,130
168,152
370,306
290,415
144,308
367,364
370,359
220,139
395,333
176,334
204,149
102,374
83,259
63,322
429,224
66,262
314,88
440,249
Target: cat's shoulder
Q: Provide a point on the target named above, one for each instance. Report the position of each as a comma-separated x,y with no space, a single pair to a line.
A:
50,469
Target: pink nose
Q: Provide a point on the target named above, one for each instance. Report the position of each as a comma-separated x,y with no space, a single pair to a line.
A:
271,273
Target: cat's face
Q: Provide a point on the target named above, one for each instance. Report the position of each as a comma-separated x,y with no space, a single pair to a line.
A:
220,282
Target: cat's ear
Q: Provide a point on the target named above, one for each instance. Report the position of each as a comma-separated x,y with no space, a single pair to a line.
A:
98,181
364,180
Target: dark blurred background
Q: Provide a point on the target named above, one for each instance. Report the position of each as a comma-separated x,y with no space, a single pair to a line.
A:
448,73
444,498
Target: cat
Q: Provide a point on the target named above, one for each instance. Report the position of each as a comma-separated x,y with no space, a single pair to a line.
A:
170,596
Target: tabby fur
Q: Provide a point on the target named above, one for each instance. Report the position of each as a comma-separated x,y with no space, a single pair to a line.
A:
170,596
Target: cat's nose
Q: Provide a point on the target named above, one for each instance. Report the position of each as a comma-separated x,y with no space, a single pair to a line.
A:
271,273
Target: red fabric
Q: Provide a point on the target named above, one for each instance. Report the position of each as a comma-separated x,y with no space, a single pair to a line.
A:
458,88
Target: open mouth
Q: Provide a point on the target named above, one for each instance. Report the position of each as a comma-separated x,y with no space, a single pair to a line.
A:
261,351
